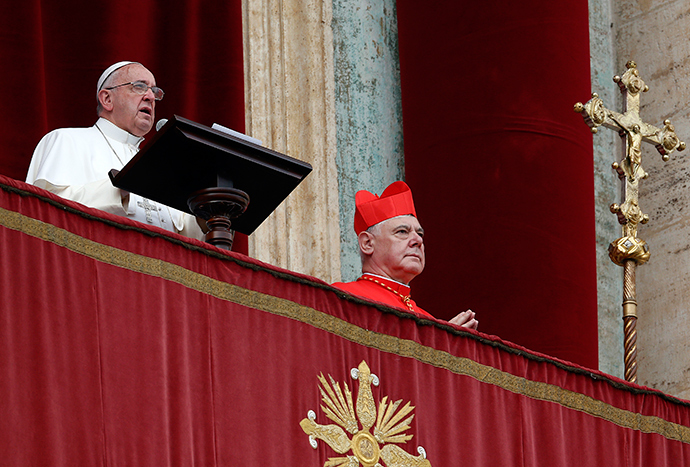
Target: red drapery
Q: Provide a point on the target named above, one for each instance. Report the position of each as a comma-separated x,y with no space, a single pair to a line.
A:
501,167
126,345
52,54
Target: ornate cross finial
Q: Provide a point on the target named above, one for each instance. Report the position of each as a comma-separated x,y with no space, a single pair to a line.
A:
629,251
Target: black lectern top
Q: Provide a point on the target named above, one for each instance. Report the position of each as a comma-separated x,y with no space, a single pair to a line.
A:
185,157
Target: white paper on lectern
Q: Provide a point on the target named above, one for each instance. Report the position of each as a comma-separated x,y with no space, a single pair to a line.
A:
236,134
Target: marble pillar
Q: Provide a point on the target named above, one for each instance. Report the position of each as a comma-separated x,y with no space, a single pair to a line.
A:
607,150
657,36
368,110
290,106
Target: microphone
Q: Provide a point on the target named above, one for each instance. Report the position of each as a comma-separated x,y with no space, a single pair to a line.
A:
160,123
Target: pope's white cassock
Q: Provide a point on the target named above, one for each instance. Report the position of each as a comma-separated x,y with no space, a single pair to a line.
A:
74,164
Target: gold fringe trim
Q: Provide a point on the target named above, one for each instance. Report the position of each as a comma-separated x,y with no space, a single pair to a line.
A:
386,343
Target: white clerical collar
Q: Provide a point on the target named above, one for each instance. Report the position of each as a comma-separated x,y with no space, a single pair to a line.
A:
118,134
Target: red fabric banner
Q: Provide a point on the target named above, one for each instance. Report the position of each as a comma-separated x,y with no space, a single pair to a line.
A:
501,167
122,344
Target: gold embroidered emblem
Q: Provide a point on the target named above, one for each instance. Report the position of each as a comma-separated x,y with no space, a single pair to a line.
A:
366,448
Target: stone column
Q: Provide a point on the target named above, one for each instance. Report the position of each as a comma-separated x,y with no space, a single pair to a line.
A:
368,110
607,150
655,35
289,99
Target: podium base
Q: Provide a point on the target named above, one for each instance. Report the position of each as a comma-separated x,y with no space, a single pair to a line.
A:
218,206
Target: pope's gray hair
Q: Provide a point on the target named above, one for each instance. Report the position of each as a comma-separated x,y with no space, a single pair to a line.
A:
109,81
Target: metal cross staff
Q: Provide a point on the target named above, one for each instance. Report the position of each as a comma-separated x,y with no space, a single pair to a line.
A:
629,251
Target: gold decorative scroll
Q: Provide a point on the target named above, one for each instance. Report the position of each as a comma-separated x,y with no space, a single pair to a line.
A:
364,448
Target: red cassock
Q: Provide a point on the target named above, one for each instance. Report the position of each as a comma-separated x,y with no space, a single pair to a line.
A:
380,289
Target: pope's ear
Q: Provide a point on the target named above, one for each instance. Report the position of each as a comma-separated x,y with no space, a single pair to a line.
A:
366,242
105,99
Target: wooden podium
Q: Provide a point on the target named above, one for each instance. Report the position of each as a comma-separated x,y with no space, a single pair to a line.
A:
223,179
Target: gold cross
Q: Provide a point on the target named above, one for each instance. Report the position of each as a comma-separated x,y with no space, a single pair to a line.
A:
633,131
629,251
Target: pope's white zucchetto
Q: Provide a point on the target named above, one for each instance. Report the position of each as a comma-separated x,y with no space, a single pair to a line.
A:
109,71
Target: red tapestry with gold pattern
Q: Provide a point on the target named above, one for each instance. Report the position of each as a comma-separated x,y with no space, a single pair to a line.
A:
122,345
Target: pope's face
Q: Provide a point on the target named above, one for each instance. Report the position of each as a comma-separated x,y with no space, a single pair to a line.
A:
131,111
398,248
